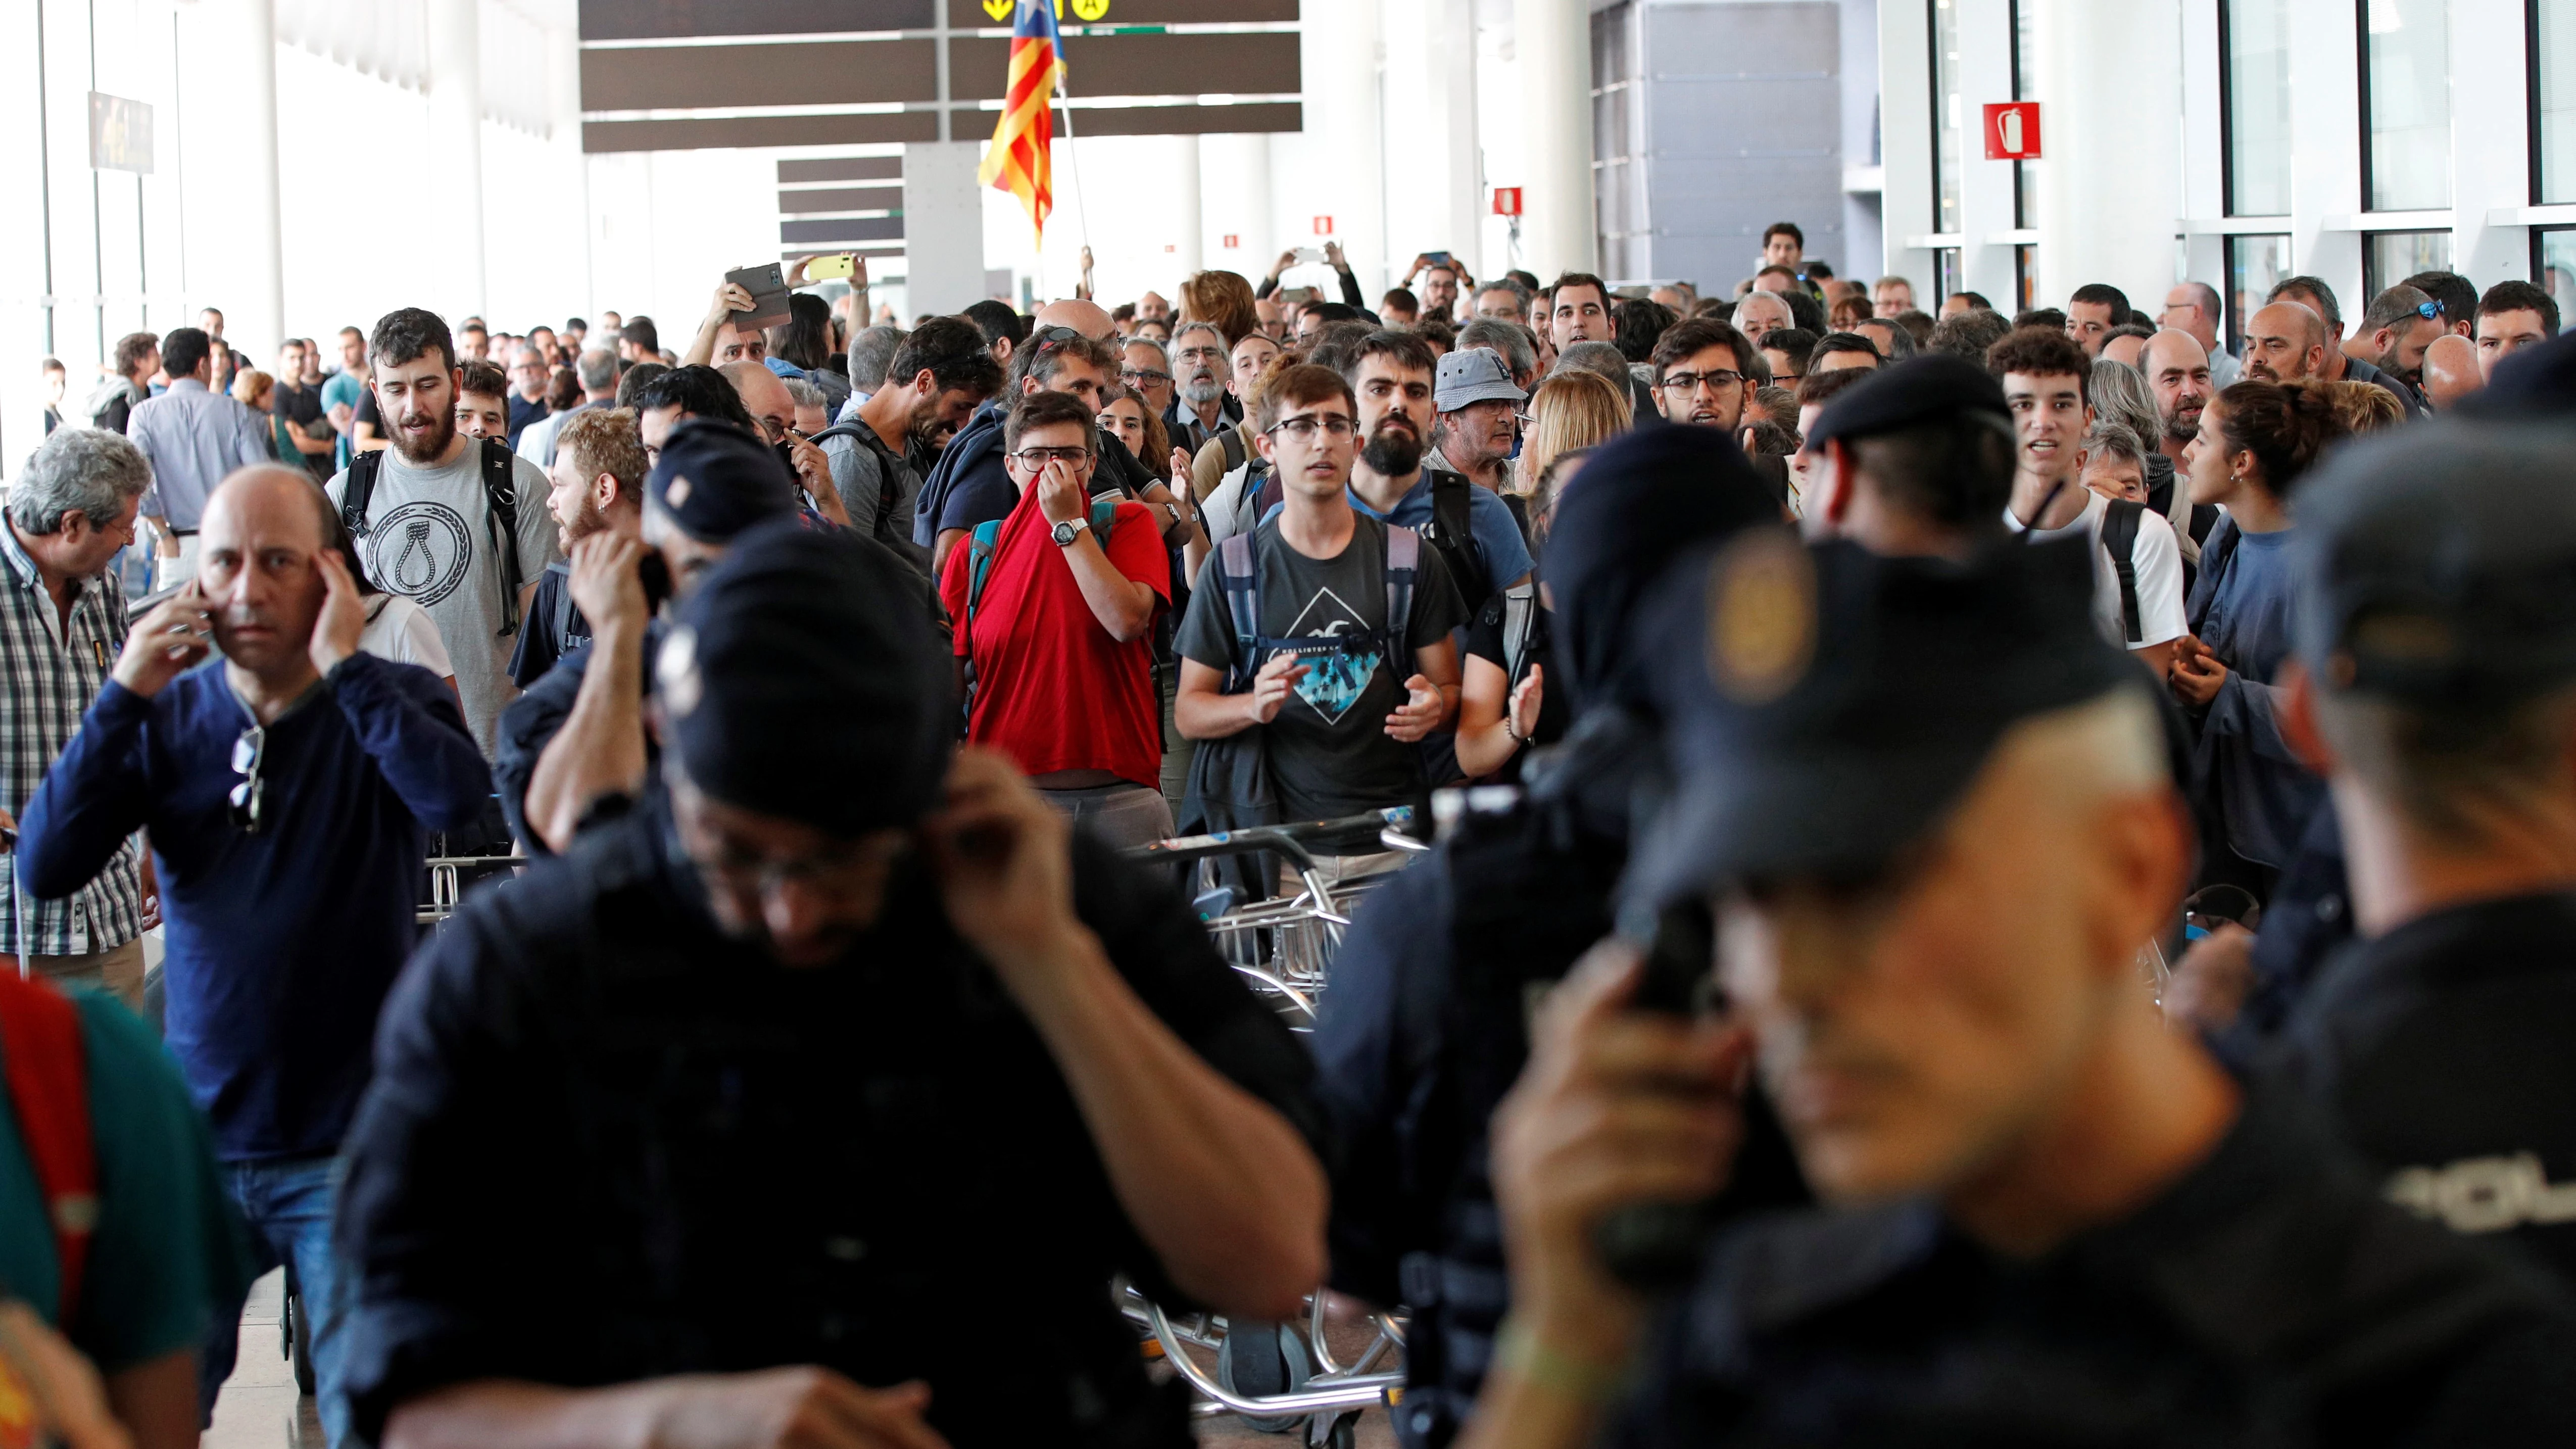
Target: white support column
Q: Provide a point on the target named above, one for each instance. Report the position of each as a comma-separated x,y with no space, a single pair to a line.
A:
943,227
456,149
1986,187
1189,212
2325,147
2111,193
2490,143
1235,201
1560,231
230,190
1340,55
1909,204
2204,172
1464,193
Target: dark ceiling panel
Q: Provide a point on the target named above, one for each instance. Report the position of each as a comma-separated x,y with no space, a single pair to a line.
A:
1184,120
1134,65
841,168
759,131
974,15
672,19
828,233
822,73
841,198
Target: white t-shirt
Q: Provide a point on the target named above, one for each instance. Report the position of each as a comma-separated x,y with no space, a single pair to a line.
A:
400,630
2156,559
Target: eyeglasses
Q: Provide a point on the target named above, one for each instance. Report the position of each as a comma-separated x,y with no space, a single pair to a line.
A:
1144,377
1047,339
1719,380
1036,459
1303,427
2429,311
744,872
247,793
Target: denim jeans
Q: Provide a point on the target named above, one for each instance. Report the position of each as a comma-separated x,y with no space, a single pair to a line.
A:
288,1206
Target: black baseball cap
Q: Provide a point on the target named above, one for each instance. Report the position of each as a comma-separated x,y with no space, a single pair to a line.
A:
804,646
1827,706
715,480
2437,565
1918,390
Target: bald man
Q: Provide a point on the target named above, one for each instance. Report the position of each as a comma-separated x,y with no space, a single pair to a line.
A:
764,395
2284,342
1088,318
290,795
2451,371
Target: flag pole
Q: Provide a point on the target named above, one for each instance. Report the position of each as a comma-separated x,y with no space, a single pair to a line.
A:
1073,156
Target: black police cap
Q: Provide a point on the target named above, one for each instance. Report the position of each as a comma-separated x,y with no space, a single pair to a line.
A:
1826,706
715,480
1918,390
2437,566
802,680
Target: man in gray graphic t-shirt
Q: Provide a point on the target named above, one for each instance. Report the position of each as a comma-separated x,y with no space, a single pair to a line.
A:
429,532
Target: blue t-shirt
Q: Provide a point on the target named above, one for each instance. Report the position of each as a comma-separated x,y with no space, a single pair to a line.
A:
168,1247
338,389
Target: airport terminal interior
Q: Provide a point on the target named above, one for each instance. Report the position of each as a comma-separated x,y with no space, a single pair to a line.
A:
1749,722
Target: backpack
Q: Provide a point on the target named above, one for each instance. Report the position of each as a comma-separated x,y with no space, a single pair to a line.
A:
2120,540
1241,579
889,474
47,1074
981,545
1453,533
500,516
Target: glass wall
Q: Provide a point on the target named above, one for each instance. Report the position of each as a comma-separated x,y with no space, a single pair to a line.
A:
2390,257
2254,44
2406,95
2254,264
1946,107
2553,265
1946,276
2553,101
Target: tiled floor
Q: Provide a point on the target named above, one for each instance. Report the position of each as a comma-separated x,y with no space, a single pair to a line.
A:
260,1409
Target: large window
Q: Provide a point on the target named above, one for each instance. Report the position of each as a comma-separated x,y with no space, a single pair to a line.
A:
2390,257
2406,98
2254,47
2553,265
2553,101
1946,276
2254,264
1946,106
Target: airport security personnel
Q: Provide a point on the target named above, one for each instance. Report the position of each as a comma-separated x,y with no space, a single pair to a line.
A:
819,1098
1930,810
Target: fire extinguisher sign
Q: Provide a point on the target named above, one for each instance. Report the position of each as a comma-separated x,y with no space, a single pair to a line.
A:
2012,131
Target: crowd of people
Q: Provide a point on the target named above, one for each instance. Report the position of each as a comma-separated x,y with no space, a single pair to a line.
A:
2013,885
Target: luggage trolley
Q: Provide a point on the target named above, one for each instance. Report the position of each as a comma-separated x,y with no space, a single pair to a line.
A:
1284,944
1313,1391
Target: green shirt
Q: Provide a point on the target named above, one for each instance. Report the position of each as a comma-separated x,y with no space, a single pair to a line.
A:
169,1246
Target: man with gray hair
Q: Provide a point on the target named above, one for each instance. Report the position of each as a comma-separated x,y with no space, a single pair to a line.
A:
62,625
871,354
1201,408
1512,342
1504,299
597,370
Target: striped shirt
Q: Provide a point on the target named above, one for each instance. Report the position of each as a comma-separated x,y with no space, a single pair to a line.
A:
49,673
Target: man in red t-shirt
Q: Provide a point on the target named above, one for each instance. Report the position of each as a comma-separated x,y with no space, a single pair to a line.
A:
1059,642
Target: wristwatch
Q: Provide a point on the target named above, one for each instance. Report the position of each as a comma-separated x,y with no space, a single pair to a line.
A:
1066,532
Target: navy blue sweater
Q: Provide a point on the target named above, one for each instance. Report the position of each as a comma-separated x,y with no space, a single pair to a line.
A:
282,944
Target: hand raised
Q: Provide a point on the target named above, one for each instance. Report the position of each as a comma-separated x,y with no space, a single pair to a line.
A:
1421,712
1272,686
167,642
1525,704
605,584
1004,864
1061,496
343,620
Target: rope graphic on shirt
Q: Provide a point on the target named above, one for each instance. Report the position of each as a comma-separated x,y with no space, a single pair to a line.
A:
2485,1194
415,545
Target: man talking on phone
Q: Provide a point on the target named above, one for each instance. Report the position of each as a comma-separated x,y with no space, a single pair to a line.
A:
288,784
824,1083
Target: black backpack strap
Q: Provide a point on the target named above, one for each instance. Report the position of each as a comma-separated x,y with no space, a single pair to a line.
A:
2120,541
562,574
889,470
501,521
358,488
1231,439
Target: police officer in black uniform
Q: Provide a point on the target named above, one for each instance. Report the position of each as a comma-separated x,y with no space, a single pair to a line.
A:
1423,1031
712,482
816,1109
2437,628
2051,1220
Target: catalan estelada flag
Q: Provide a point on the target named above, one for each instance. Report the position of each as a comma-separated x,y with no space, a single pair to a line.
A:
1018,160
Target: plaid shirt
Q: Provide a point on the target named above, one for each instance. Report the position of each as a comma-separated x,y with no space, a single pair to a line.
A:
45,687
